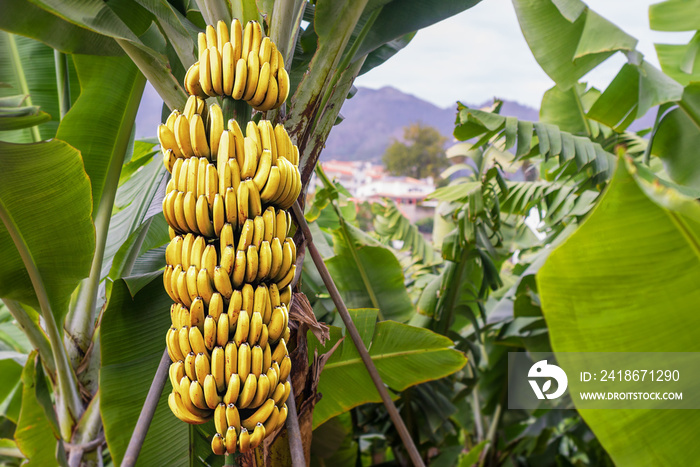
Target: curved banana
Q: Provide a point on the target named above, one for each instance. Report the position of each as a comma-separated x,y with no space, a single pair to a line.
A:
278,394
233,389
271,96
204,287
217,367
287,280
247,39
197,395
282,227
271,422
263,85
263,171
222,38
198,137
276,325
265,50
183,340
210,33
280,351
277,258
242,329
244,440
252,154
197,341
204,222
244,360
251,270
224,152
202,367
231,203
256,360
283,85
176,372
286,295
222,330
242,201
190,368
226,238
239,269
234,308
282,416
231,440
236,37
260,415
192,85
209,332
227,258
208,258
205,79
258,435
252,76
220,418
210,394
241,79
230,360
167,140
264,261
217,77
248,392
254,200
216,307
267,352
285,368
217,444
222,282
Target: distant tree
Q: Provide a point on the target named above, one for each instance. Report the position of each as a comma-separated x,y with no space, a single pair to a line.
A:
419,155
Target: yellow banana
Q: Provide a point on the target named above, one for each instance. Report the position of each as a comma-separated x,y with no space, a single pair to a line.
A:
285,182
182,291
278,394
282,227
248,391
174,277
216,306
269,217
189,208
211,187
197,395
265,50
231,204
233,418
286,295
179,210
192,85
280,351
220,418
282,416
217,444
216,127
167,282
201,44
227,258
251,269
235,171
242,199
256,360
274,59
283,86
224,152
204,222
176,372
190,107
211,35
285,368
204,287
190,366
202,367
167,140
257,38
258,231
264,261
234,308
263,170
287,280
240,80
242,329
255,331
182,315
208,260
269,192
196,252
271,422
218,214
192,174
233,389
197,313
177,167
252,76
222,330
197,341
217,367
267,351
275,300
181,179
177,405
282,140
261,89
230,360
260,298
183,341
244,360
205,78
226,238
271,96
222,38
273,376
247,39
277,257
173,252
198,137
217,77
230,440
239,267
248,298
260,415
247,234
244,440
201,187
209,332
250,163
236,37
276,325
254,200
211,396
286,265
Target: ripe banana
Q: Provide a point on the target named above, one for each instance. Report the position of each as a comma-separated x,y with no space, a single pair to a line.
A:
251,270
256,360
217,77
197,341
204,286
252,76
198,136
217,368
202,367
248,391
233,389
233,418
210,394
209,332
285,367
264,261
264,82
216,307
244,360
260,415
230,360
222,330
220,423
280,351
197,395
222,282
190,366
239,267
244,440
231,440
217,444
242,329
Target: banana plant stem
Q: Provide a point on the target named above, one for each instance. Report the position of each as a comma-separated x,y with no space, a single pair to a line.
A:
19,69
147,412
296,447
34,333
69,407
357,340
62,82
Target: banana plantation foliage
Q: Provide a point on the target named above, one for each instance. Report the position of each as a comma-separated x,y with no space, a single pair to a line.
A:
186,300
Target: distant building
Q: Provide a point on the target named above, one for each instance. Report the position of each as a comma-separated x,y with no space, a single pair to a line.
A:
368,182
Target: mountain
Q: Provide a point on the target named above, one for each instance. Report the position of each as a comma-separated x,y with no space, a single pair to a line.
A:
374,118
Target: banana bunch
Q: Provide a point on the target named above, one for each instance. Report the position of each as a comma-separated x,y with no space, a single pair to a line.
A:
241,64
230,261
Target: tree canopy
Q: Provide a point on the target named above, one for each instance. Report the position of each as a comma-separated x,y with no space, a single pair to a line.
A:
421,154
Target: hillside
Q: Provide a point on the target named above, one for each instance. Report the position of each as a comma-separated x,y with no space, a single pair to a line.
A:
373,118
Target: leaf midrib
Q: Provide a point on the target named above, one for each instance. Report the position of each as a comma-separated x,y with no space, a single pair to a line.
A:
358,360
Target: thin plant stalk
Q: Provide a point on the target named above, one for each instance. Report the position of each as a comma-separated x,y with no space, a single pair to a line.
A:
62,82
17,65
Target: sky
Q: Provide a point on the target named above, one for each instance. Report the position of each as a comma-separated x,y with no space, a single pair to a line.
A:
481,53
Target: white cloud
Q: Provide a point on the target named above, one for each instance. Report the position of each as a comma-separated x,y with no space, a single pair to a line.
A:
481,53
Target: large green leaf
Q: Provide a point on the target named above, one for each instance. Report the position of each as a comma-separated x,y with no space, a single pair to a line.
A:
384,277
34,435
404,356
24,18
568,48
39,69
100,122
46,194
567,109
677,139
675,15
626,281
400,17
133,340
